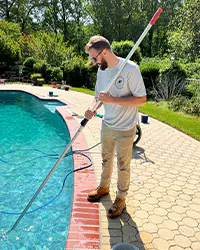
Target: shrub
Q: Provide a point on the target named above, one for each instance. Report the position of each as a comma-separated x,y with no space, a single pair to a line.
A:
25,72
192,70
191,89
40,81
48,74
91,71
171,81
75,72
178,102
41,67
181,103
173,67
150,73
57,74
123,48
29,62
192,107
27,68
34,78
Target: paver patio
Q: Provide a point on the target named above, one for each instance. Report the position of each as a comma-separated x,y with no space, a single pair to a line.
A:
163,203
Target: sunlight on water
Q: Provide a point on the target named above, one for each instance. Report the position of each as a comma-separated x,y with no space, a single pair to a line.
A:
32,136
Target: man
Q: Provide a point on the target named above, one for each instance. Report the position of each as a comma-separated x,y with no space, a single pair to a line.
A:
120,117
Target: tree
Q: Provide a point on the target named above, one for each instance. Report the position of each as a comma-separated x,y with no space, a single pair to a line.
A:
184,35
22,12
6,8
126,19
51,19
10,41
114,19
156,41
49,47
76,24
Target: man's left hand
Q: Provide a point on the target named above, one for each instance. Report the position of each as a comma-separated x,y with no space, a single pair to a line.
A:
105,97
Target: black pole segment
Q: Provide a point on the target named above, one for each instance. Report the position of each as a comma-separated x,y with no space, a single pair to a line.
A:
84,122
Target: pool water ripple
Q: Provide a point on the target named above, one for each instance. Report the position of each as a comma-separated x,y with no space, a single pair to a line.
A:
27,124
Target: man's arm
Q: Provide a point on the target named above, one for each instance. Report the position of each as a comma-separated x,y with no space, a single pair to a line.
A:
123,101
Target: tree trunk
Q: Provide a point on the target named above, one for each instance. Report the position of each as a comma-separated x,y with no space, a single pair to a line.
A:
65,33
7,11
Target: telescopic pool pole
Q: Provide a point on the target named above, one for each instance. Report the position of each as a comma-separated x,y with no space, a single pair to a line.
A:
84,121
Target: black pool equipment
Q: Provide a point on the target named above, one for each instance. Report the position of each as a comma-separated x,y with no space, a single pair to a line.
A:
124,246
144,118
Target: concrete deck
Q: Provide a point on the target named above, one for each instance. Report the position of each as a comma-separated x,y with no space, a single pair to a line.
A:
163,203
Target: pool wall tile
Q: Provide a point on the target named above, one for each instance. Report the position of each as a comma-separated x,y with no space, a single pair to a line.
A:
85,229
75,244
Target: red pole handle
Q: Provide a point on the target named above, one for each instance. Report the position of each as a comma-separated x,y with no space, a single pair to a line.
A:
156,16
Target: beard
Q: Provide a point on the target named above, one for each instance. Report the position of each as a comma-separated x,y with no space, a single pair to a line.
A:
103,65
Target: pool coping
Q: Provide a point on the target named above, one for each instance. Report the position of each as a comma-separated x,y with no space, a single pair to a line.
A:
84,229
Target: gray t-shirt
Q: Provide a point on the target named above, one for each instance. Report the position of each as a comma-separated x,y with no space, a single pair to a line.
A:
128,83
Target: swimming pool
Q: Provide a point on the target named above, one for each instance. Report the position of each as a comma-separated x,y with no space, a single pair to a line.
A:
32,135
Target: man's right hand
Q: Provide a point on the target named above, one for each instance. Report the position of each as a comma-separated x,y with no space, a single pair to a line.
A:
89,114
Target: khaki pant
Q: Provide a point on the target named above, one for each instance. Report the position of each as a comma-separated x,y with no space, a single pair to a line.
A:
123,141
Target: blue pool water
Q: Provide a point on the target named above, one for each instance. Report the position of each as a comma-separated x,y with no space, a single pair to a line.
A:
29,130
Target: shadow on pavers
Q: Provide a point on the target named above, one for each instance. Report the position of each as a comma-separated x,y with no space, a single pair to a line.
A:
122,228
139,154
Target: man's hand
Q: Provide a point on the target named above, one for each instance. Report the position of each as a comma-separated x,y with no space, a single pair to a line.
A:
105,97
89,114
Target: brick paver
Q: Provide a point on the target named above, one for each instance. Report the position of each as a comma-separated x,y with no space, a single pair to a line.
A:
163,204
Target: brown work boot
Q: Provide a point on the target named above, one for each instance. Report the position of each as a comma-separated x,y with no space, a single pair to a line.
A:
117,208
97,193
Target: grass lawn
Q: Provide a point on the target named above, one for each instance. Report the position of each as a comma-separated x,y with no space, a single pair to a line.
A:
84,90
187,124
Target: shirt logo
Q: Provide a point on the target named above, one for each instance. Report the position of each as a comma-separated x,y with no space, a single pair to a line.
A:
119,83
